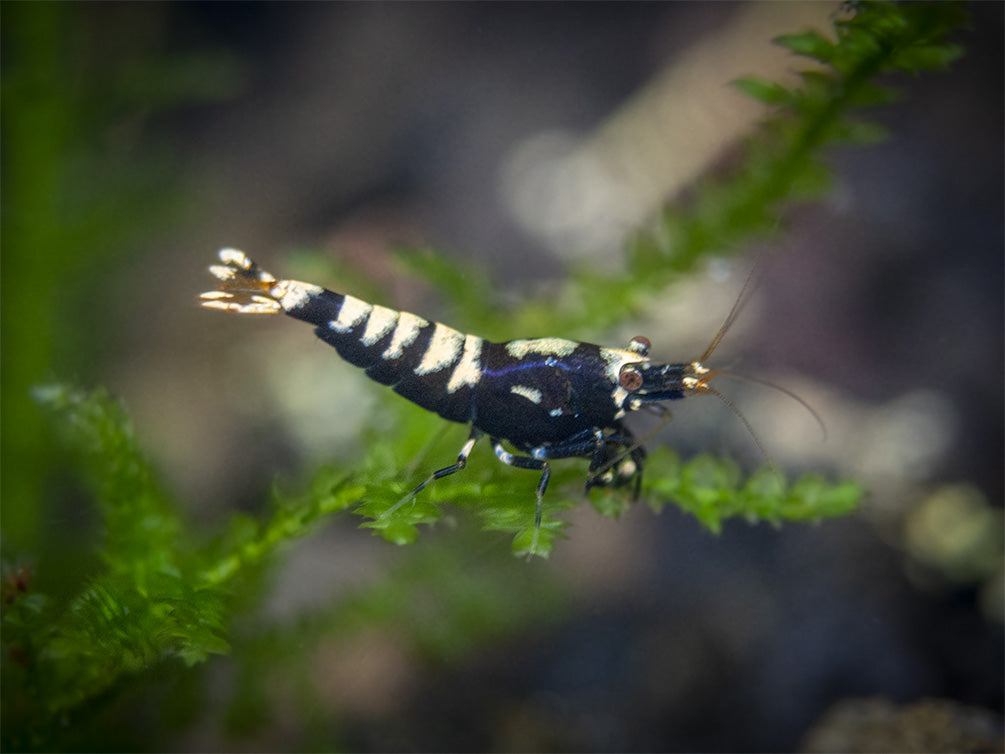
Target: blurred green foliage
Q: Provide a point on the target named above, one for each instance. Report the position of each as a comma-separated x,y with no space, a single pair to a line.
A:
159,591
81,188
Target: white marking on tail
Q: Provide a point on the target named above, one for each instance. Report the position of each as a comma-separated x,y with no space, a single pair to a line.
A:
293,294
247,304
350,314
221,272
468,370
405,333
380,323
235,258
443,349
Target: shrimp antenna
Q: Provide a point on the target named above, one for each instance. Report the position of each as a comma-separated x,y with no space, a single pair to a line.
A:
785,391
743,419
734,313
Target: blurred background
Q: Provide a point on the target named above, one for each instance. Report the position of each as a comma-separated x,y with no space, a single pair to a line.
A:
525,139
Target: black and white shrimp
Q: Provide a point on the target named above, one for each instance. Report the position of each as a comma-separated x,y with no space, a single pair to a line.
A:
548,398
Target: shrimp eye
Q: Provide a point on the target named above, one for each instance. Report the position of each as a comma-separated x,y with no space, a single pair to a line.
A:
630,378
640,344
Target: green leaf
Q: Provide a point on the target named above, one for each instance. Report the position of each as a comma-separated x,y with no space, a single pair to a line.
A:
811,44
713,491
763,90
140,520
861,132
818,86
399,532
923,57
812,181
873,95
